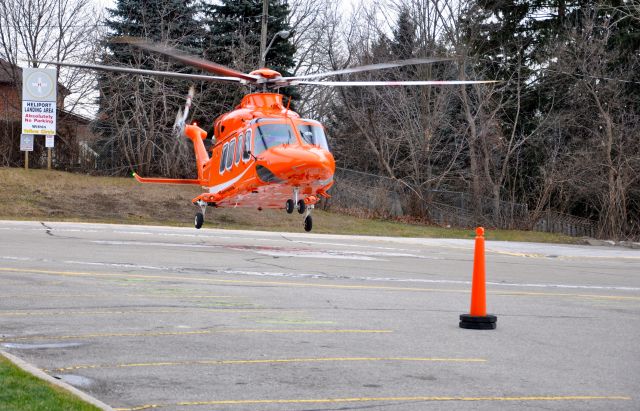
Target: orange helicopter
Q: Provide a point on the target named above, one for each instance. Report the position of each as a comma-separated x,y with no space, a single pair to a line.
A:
263,154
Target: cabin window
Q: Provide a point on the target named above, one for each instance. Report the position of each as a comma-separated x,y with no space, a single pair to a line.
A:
271,135
313,134
246,153
223,157
239,149
230,153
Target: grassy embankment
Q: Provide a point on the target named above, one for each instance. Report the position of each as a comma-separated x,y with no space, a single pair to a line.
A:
59,196
21,391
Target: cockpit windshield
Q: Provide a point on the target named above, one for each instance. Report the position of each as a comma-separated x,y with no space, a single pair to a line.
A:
271,135
313,134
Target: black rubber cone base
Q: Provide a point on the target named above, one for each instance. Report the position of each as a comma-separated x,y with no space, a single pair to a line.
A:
488,322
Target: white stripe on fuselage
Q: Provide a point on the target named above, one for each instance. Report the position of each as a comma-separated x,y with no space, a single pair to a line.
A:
220,187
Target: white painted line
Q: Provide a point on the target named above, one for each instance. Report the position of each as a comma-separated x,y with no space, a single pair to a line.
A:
318,254
341,277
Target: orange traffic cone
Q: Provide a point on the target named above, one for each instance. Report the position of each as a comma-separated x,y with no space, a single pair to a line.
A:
478,319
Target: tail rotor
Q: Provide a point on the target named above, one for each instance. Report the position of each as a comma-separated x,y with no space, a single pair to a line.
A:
181,117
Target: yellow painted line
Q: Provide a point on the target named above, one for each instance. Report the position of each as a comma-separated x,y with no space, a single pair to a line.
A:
308,285
216,280
265,361
379,399
186,310
595,296
199,332
559,257
66,296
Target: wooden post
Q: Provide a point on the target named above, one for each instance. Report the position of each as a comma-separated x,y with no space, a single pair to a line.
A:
263,32
26,160
49,158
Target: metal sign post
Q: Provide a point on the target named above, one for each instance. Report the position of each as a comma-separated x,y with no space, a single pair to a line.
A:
26,145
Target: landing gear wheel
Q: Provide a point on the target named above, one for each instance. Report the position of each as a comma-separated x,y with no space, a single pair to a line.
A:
302,207
308,223
199,220
289,206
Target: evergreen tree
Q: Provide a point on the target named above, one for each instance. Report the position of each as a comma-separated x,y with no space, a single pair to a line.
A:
233,39
136,113
404,36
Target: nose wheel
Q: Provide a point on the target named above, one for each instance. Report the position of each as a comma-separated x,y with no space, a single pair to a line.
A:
308,223
199,219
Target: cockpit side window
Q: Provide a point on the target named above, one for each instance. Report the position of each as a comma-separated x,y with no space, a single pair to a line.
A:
313,134
271,135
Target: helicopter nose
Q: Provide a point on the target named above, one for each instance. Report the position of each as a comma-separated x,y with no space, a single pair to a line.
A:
299,164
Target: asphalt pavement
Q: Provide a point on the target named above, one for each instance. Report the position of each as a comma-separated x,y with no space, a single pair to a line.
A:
182,319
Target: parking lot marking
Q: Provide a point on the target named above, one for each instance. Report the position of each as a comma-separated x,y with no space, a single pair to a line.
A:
151,295
199,332
299,284
265,361
594,296
185,310
378,399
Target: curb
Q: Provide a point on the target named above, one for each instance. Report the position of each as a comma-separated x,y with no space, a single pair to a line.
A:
43,376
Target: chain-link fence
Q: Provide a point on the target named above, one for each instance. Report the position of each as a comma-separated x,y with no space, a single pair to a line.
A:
365,194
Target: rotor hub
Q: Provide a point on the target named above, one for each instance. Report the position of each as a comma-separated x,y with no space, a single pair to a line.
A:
266,73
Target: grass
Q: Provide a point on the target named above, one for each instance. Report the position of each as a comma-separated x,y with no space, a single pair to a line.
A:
21,391
60,196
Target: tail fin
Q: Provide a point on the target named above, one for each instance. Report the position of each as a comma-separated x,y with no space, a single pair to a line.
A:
197,135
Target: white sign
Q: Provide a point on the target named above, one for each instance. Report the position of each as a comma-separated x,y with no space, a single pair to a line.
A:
50,141
26,142
39,101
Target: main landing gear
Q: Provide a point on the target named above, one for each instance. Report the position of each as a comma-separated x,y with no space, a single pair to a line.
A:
302,207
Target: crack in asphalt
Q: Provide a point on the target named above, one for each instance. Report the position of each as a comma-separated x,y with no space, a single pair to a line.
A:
47,229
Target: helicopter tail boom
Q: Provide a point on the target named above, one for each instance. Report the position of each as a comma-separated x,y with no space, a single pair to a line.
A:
167,180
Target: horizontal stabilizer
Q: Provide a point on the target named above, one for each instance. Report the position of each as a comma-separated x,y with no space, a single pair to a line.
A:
167,180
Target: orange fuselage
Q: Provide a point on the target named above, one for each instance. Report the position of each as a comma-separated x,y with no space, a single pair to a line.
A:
262,153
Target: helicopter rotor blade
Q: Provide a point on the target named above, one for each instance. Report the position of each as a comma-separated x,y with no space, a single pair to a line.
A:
370,67
187,59
130,70
391,83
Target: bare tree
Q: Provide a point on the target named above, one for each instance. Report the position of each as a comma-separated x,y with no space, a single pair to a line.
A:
600,126
35,30
62,30
317,29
